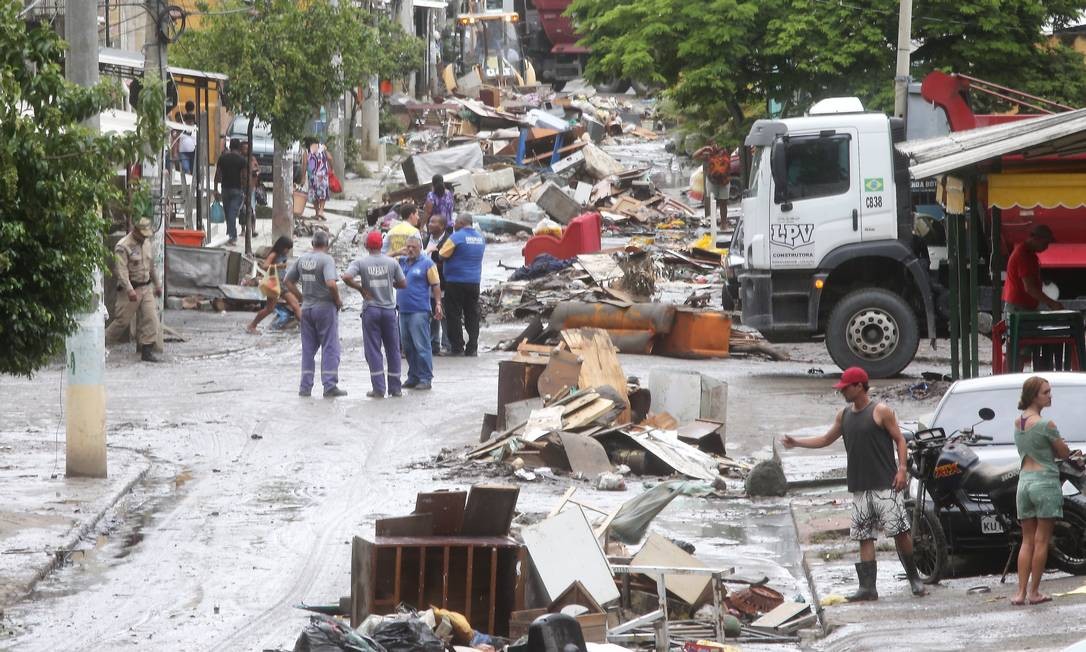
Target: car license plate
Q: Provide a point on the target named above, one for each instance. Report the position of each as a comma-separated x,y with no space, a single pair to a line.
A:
990,525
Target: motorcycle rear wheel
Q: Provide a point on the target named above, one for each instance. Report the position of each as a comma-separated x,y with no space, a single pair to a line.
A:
1067,550
929,548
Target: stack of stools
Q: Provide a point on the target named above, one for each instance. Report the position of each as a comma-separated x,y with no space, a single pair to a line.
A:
1059,330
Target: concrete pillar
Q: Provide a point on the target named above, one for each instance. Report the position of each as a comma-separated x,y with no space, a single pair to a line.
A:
282,194
85,400
371,121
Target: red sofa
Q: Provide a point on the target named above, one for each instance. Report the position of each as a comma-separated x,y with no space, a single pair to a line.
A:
581,236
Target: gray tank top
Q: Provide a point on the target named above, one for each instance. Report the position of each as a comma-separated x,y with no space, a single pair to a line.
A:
871,462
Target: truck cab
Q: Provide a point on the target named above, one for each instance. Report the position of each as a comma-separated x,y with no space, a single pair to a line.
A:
827,239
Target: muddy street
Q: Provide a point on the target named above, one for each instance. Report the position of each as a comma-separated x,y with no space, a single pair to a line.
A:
252,494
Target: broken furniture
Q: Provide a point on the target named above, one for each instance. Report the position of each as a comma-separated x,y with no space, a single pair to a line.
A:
475,576
627,632
581,236
454,552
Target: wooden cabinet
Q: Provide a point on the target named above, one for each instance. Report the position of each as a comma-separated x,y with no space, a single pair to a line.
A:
480,577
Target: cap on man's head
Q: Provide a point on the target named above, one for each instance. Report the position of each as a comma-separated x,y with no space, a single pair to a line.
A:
144,226
374,240
1041,232
851,376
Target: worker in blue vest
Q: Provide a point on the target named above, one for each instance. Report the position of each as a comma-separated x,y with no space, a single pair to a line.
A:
463,254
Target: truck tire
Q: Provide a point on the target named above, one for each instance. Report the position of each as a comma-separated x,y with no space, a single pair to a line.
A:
873,329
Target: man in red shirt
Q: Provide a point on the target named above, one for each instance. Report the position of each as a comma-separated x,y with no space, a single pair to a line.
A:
1022,290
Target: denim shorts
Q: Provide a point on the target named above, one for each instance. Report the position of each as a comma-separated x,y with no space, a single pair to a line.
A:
1039,495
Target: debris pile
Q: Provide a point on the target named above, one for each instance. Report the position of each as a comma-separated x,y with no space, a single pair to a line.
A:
571,408
451,575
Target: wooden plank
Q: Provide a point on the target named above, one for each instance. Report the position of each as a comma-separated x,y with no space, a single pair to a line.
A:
585,415
467,584
445,580
493,587
562,503
422,575
489,509
579,402
396,579
562,372
783,613
600,366
412,525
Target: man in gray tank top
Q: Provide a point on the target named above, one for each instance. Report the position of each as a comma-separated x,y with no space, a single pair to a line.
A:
875,479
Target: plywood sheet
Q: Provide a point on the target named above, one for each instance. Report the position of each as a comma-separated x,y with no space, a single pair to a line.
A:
564,550
599,363
658,551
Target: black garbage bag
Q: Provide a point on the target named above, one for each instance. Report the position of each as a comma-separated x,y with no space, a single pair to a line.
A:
542,265
325,634
407,634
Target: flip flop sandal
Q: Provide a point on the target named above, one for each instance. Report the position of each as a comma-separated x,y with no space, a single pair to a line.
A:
1041,601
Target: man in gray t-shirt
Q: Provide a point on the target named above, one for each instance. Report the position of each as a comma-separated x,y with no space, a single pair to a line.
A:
320,315
375,276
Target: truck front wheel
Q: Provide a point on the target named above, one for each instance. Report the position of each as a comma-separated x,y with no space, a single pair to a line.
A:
874,329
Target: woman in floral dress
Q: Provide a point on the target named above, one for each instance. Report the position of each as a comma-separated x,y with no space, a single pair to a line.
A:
317,164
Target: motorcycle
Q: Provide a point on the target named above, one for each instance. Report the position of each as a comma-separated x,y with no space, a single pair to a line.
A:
950,476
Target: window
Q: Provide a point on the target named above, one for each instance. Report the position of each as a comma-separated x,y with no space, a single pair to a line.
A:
755,169
817,166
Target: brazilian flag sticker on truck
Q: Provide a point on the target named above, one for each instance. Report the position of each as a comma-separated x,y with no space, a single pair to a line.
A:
874,185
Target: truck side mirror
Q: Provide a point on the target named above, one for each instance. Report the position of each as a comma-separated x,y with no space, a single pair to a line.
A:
778,165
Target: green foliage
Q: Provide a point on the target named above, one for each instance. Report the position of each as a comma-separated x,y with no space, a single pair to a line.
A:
55,175
723,61
279,56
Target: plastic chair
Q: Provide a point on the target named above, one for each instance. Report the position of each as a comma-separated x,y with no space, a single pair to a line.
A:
1062,328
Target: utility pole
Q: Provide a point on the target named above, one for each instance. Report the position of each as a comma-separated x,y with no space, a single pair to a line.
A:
85,400
370,114
154,67
904,45
335,120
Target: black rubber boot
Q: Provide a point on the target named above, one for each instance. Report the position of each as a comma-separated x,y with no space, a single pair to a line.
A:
866,571
912,574
148,355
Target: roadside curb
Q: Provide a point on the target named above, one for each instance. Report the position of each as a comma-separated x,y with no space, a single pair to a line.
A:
85,528
816,601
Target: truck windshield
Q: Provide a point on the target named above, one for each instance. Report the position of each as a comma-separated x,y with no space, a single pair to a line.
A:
755,165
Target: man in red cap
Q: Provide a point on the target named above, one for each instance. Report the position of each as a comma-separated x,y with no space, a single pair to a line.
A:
375,275
874,478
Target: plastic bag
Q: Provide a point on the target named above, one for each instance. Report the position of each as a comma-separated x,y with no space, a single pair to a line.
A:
334,183
325,634
547,226
407,634
218,215
270,286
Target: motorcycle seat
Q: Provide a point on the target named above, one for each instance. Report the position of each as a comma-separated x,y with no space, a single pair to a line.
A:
991,477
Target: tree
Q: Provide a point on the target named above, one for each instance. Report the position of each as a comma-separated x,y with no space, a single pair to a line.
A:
55,177
722,61
279,57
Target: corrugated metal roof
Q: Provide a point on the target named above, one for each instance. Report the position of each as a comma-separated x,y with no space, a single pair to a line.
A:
1059,134
134,60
